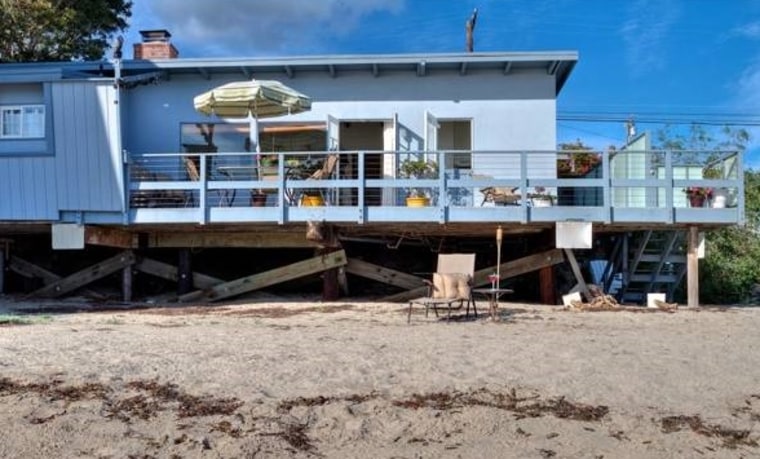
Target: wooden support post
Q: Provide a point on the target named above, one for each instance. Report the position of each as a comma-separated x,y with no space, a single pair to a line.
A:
267,278
184,272
86,276
692,268
126,283
330,288
546,283
577,273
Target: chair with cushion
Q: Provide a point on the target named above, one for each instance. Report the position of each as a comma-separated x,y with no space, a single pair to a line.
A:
500,196
451,285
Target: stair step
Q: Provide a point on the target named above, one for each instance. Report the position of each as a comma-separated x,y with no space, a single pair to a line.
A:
657,257
661,279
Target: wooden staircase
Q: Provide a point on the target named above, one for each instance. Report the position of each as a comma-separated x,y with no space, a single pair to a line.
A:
656,263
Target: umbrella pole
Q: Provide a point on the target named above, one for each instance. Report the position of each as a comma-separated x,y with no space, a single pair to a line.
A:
498,256
253,135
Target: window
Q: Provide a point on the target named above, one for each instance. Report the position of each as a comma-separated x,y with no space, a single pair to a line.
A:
22,122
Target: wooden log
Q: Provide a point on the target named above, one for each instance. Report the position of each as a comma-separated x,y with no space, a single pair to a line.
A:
381,274
86,276
692,268
267,278
185,272
577,273
506,270
109,237
169,272
30,270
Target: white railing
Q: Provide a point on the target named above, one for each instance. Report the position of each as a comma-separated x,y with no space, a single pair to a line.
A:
464,186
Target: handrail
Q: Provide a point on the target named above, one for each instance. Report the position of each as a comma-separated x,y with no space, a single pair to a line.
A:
654,180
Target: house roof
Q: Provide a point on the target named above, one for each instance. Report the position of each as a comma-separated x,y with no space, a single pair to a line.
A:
557,63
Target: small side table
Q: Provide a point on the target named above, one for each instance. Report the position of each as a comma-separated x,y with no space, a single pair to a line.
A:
493,295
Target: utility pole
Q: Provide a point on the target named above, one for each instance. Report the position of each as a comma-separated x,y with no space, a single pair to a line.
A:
470,29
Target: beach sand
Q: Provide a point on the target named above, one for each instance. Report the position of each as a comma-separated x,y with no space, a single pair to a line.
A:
347,380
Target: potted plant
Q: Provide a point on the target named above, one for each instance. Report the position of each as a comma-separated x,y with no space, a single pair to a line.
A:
268,166
418,169
540,198
698,195
720,195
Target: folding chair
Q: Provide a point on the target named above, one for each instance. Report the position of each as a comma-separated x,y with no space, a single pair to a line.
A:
451,284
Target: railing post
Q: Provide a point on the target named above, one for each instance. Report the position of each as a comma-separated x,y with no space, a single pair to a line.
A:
669,186
281,188
606,191
524,187
442,217
202,191
362,188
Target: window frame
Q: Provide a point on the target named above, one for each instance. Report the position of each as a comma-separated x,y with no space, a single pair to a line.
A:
25,110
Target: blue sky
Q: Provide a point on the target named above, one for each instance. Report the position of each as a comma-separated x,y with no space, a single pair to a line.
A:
652,60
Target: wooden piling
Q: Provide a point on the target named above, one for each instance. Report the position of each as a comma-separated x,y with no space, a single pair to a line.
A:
692,268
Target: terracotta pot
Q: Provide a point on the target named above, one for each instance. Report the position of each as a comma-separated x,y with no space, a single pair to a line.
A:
417,201
258,199
312,201
697,201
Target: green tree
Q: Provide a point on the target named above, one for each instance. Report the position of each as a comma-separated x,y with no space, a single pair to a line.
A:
59,30
730,268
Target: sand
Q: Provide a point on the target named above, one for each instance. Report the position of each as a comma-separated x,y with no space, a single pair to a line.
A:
349,380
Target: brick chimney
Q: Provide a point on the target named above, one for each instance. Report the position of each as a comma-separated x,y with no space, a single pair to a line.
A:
155,44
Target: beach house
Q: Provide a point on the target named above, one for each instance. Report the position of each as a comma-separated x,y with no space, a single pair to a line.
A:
114,154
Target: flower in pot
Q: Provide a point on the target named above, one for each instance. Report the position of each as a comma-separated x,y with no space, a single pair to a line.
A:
698,195
418,169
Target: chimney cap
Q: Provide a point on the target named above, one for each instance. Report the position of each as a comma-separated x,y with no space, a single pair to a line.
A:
155,35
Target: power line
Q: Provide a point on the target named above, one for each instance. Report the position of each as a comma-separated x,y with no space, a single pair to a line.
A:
662,119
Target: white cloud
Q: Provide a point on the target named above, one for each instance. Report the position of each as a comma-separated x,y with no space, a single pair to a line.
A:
645,33
249,27
747,100
750,30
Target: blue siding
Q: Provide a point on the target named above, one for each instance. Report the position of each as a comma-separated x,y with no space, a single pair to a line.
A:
88,169
27,189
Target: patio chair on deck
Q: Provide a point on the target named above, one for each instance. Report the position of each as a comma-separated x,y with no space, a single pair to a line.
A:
500,196
451,285
329,166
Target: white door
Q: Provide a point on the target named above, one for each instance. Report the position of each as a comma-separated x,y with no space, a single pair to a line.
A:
333,134
431,132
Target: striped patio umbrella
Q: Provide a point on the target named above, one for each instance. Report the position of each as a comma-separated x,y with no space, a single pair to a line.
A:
253,99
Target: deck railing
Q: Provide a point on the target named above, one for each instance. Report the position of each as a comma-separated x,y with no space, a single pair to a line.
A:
461,186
